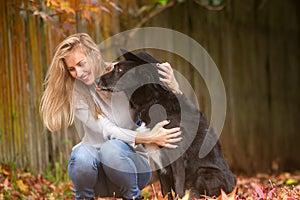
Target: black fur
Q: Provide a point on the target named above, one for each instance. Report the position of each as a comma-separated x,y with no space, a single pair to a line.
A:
201,176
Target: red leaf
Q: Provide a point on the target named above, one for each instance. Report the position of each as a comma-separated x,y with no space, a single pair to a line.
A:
258,190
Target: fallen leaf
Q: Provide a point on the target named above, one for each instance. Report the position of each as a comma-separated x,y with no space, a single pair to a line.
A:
186,196
22,186
291,181
6,185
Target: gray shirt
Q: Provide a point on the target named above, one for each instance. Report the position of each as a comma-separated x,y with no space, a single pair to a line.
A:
115,123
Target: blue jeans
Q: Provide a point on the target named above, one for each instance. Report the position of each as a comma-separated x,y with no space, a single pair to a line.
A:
112,170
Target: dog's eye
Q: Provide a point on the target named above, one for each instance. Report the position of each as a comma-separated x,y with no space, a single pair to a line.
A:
119,70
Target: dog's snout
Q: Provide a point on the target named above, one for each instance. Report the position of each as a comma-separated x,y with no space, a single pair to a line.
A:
100,82
97,81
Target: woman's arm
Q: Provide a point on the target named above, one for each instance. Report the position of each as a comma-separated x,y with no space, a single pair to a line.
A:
160,136
108,130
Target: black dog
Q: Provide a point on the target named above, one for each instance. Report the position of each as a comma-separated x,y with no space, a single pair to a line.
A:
137,76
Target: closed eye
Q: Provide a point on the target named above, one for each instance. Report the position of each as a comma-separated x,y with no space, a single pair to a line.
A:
71,69
82,63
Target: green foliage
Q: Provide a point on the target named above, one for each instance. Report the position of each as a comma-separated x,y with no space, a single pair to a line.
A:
56,173
66,142
162,2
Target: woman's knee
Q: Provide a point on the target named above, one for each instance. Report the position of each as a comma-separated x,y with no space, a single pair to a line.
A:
116,154
83,162
114,149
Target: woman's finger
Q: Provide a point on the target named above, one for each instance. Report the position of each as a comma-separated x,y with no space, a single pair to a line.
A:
163,123
173,130
166,67
171,146
162,73
165,64
174,140
167,81
174,135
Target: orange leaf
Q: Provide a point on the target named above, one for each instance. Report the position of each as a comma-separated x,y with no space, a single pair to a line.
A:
22,186
232,195
86,15
224,196
5,172
54,3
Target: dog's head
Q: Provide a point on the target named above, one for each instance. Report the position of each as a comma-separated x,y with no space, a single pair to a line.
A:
136,70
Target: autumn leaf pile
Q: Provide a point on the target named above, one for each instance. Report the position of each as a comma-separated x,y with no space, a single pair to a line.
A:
20,184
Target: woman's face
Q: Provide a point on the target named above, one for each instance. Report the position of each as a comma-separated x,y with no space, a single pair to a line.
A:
80,67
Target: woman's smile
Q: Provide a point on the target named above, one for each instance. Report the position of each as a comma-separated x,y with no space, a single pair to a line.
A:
85,78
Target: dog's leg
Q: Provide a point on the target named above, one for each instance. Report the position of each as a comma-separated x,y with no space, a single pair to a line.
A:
166,182
178,171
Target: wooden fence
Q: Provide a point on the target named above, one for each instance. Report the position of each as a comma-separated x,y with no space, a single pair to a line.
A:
254,44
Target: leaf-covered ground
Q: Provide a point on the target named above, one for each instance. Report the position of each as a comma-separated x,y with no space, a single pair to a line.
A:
20,184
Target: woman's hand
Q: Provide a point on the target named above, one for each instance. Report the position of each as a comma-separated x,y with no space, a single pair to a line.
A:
160,136
166,71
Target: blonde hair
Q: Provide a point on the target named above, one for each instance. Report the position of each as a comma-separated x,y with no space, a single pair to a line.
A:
56,106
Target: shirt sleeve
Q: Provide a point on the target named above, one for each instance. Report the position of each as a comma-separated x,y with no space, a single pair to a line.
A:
102,126
112,131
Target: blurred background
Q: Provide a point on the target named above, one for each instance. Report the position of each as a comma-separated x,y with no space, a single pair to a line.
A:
254,43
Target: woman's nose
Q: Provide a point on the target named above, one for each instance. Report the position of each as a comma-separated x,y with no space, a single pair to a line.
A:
78,71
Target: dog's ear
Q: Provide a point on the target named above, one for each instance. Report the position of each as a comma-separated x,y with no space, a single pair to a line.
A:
140,58
131,57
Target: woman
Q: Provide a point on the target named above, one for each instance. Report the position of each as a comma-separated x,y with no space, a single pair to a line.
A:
110,160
